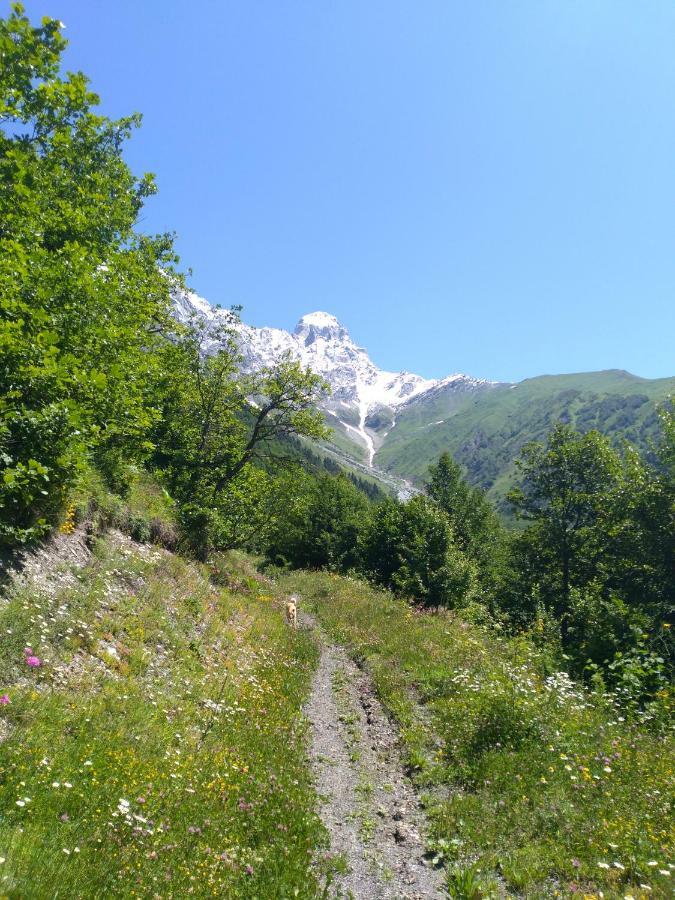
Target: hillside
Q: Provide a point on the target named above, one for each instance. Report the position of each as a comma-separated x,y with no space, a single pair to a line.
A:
486,432
153,747
153,743
534,786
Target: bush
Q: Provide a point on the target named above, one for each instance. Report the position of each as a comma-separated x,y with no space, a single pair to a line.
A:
39,457
409,548
321,526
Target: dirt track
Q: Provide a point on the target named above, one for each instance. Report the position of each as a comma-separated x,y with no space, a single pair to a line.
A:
368,805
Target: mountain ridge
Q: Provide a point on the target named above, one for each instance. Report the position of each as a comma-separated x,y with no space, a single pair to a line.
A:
360,388
395,424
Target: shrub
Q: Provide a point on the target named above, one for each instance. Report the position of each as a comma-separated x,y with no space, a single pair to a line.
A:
409,548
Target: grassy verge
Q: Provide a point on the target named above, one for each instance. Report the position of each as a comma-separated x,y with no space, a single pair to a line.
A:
157,750
146,513
534,787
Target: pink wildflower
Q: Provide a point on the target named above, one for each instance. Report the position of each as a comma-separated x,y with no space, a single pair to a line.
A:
4,700
33,661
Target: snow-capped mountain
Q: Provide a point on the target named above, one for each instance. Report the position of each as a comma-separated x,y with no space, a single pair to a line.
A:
365,400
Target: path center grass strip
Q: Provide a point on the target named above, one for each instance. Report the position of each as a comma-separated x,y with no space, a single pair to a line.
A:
158,748
534,786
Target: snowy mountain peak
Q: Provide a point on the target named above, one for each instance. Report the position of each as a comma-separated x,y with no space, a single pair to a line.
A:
320,325
360,389
318,320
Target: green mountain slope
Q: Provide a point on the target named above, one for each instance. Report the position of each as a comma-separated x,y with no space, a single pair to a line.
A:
486,430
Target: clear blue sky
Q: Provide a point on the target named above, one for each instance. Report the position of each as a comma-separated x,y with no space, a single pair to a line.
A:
469,185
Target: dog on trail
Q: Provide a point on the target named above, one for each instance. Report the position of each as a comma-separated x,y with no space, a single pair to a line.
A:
292,611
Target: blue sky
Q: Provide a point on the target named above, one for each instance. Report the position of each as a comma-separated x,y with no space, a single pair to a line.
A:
469,185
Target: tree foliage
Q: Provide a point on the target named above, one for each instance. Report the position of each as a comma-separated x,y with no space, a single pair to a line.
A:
470,513
216,425
93,371
82,298
562,488
410,548
321,528
599,550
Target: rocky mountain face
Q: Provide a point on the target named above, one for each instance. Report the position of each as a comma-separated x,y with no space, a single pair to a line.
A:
365,401
394,425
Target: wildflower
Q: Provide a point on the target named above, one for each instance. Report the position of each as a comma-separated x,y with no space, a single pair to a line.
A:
2,860
33,661
665,872
652,863
20,803
606,769
66,851
603,865
617,865
4,700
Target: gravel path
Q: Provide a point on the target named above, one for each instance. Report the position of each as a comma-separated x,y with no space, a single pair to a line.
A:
368,805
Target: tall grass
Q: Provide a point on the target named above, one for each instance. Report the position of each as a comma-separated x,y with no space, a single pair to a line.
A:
158,748
534,786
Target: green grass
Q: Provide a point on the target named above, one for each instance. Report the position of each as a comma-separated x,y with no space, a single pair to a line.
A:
146,513
159,750
534,786
485,431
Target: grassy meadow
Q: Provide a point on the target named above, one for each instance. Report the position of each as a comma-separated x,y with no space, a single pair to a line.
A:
534,786
151,737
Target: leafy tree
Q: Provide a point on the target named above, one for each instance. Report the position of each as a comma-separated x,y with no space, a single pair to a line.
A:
471,515
321,529
562,491
410,548
639,559
82,299
599,550
216,425
475,524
